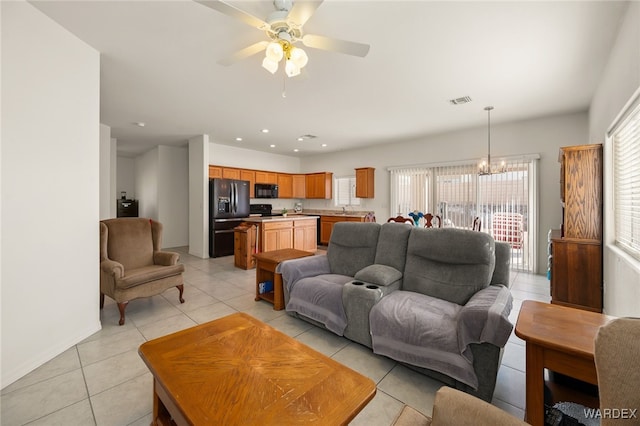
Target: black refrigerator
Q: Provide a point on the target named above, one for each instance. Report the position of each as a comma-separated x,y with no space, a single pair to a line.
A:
228,205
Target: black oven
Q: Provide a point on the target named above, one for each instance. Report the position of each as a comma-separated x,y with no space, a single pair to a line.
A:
265,190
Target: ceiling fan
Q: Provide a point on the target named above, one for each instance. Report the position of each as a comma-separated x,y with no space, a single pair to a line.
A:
284,29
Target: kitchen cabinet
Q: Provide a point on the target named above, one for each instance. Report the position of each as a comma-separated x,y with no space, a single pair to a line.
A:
305,236
249,175
277,235
576,262
299,186
266,177
327,222
319,185
285,185
215,172
365,182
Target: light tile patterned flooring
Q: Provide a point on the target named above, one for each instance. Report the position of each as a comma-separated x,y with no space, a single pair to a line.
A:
103,381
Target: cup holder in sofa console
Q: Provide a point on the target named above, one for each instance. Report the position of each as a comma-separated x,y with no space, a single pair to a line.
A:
357,299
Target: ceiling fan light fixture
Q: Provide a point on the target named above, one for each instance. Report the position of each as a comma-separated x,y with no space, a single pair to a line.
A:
274,51
291,68
299,57
270,65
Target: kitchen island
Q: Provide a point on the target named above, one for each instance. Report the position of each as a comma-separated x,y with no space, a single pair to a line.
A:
298,231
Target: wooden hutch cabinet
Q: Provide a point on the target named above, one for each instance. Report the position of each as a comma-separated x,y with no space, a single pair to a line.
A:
576,263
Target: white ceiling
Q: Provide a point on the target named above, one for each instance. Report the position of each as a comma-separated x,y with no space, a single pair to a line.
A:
159,66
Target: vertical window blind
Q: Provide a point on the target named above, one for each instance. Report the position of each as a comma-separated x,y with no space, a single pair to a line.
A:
626,181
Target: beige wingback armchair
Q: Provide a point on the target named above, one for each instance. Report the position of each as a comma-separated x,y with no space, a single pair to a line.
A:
132,264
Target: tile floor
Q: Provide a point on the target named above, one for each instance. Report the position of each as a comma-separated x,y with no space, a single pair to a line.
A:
103,381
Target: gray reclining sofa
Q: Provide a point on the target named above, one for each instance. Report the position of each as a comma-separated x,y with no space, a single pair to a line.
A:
434,299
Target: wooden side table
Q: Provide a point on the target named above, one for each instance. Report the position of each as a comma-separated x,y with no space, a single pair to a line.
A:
266,264
561,339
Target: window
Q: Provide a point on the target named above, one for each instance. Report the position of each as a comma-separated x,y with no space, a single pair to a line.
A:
505,203
625,138
345,191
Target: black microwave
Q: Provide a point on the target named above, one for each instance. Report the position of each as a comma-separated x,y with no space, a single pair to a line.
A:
265,190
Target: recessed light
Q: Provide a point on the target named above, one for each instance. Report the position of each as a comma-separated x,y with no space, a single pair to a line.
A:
238,139
300,139
296,150
265,130
272,146
323,145
139,123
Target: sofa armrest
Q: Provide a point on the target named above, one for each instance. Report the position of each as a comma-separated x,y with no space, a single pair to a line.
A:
296,269
112,268
165,258
485,319
452,407
381,275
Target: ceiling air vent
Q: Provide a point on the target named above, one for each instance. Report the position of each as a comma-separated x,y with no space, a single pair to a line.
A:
460,101
305,137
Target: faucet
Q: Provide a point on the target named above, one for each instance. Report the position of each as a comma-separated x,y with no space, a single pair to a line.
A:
344,210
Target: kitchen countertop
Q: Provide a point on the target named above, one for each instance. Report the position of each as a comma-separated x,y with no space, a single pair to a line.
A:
289,217
339,213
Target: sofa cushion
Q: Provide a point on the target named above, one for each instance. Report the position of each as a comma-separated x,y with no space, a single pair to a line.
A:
130,242
379,274
448,263
392,245
352,247
420,330
320,298
145,274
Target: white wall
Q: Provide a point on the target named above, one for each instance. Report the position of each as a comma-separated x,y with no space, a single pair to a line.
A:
146,169
621,79
543,136
50,156
173,195
126,177
162,188
199,196
107,173
230,156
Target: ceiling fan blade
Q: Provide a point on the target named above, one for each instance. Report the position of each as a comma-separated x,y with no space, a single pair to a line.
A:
236,13
244,53
302,11
336,45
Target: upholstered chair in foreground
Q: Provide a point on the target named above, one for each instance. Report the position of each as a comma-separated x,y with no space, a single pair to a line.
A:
452,407
132,264
617,357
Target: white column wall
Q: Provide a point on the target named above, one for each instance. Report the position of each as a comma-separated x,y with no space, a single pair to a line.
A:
199,196
50,190
108,161
146,169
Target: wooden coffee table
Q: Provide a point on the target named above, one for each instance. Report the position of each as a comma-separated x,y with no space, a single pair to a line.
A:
238,370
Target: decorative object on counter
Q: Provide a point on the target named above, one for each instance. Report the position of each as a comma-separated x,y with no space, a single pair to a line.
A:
284,212
123,195
297,207
416,216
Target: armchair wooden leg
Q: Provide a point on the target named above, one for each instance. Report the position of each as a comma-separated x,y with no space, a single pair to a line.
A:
180,289
121,308
101,300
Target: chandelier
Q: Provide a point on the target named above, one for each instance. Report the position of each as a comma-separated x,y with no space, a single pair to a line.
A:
295,57
485,167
